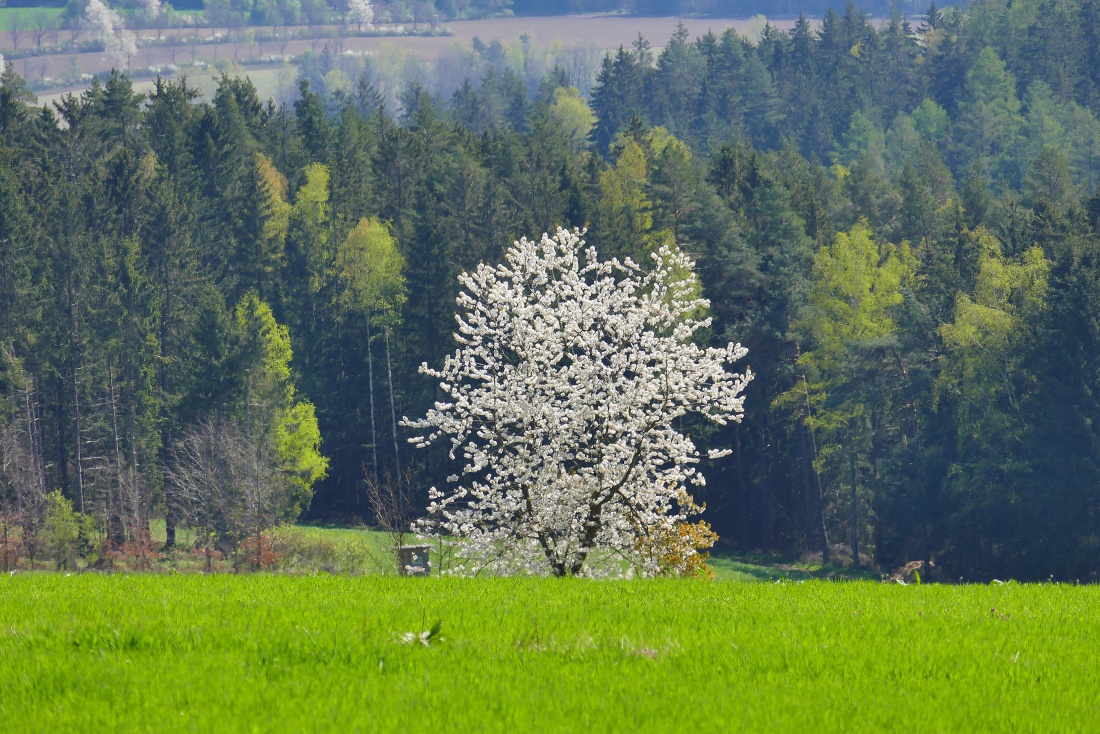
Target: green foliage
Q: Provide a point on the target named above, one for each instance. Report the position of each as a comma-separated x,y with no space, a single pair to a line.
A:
265,348
272,412
61,528
856,288
623,218
1005,291
372,267
990,121
930,121
574,116
862,138
298,444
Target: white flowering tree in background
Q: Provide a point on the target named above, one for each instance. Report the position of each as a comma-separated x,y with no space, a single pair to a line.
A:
152,14
151,8
108,26
562,402
361,13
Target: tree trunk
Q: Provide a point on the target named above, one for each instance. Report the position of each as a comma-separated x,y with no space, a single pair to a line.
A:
393,411
75,372
370,380
875,488
818,494
166,432
742,491
815,510
854,520
807,488
765,493
60,430
815,525
116,532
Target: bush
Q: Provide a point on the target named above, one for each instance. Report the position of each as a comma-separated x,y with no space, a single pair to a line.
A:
297,550
61,530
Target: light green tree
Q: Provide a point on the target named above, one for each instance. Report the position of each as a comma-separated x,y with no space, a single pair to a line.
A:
282,434
857,285
931,122
61,530
371,270
622,223
985,377
863,139
980,341
573,114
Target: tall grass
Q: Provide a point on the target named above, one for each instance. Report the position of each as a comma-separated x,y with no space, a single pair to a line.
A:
283,653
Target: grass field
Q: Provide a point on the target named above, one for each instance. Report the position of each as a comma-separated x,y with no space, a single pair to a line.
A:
7,15
279,653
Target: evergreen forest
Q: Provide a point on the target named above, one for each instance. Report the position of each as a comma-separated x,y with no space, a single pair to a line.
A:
213,309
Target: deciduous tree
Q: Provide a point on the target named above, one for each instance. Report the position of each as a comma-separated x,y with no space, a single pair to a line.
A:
563,403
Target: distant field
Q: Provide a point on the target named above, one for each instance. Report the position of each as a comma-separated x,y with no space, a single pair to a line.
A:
597,33
278,653
9,14
605,31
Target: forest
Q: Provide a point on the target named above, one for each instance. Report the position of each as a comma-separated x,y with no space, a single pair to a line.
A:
213,311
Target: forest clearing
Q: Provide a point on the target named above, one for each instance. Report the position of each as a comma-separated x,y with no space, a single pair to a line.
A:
255,652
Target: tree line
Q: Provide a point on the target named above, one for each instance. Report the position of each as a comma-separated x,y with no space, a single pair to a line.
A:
213,311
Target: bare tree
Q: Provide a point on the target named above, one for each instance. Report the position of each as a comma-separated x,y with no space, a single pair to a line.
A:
74,26
41,28
173,47
22,474
16,26
390,510
392,514
581,62
199,474
315,13
227,487
22,495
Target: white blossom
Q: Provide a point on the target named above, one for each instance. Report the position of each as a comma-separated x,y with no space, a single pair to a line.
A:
561,405
108,26
101,20
152,8
122,46
361,13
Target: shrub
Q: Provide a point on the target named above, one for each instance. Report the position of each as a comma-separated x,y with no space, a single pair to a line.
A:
61,530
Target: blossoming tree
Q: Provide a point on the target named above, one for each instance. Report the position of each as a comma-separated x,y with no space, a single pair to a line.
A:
562,400
361,13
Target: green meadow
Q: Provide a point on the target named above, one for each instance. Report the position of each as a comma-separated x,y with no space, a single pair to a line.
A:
265,652
9,15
